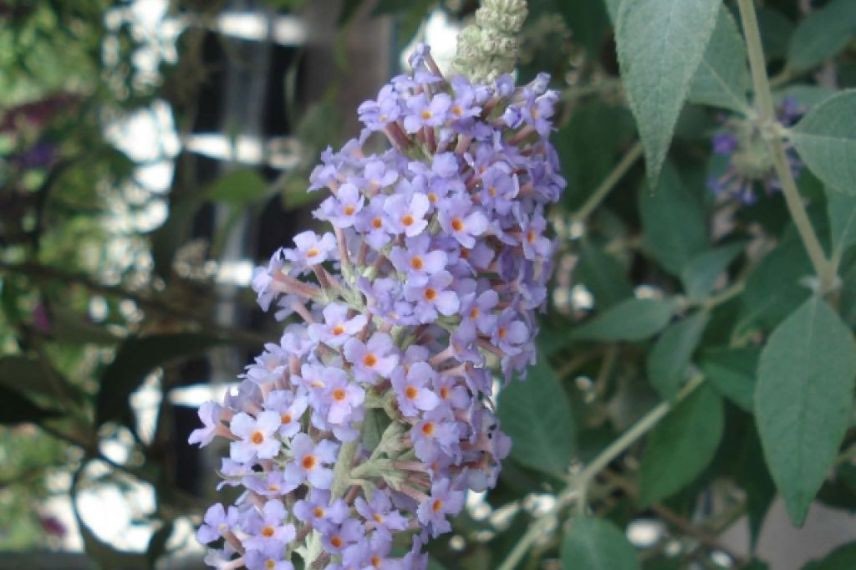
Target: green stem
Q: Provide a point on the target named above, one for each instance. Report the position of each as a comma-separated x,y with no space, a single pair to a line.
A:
609,182
766,112
342,471
576,489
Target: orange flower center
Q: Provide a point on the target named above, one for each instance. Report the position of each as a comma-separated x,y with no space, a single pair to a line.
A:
338,329
416,262
430,294
339,394
502,332
286,418
370,360
428,428
444,392
437,505
308,462
432,197
457,224
492,191
337,541
411,392
376,560
318,512
349,210
270,564
407,220
474,312
267,531
426,114
377,223
257,437
457,110
312,252
377,518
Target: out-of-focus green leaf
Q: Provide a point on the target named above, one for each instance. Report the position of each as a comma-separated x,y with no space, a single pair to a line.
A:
536,414
15,408
239,188
602,275
597,544
681,445
669,359
674,222
588,22
804,400
733,372
631,320
722,79
826,140
841,209
775,287
701,272
136,358
660,46
842,558
776,32
822,34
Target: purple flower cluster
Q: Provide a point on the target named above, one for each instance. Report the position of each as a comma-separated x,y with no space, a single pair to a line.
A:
745,160
371,419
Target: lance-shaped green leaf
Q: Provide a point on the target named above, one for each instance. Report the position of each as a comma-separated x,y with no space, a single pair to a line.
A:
536,414
826,140
668,361
732,371
597,544
631,320
841,209
804,399
603,275
16,408
822,34
722,79
674,222
700,273
681,446
842,558
660,46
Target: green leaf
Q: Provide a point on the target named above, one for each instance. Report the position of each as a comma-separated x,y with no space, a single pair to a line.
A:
239,188
602,275
588,22
28,376
631,320
774,288
842,558
612,7
722,79
668,361
732,371
137,358
681,446
536,414
16,408
660,46
597,544
822,34
674,222
700,273
826,140
841,210
804,399
589,146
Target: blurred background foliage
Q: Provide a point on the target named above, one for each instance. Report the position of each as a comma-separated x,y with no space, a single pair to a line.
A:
152,152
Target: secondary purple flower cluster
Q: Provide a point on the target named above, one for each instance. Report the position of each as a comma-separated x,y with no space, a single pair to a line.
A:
356,437
746,157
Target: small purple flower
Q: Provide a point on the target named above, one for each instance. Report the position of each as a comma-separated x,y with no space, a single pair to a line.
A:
271,485
344,398
510,333
337,327
339,537
374,359
413,388
374,223
216,523
432,296
257,560
318,512
290,408
459,219
407,214
341,210
257,436
311,249
309,460
210,414
433,435
422,112
443,501
416,261
268,533
379,514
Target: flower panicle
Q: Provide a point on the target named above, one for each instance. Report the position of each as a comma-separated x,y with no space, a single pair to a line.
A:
373,415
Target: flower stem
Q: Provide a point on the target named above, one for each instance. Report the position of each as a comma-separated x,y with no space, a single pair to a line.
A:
576,489
600,193
824,269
